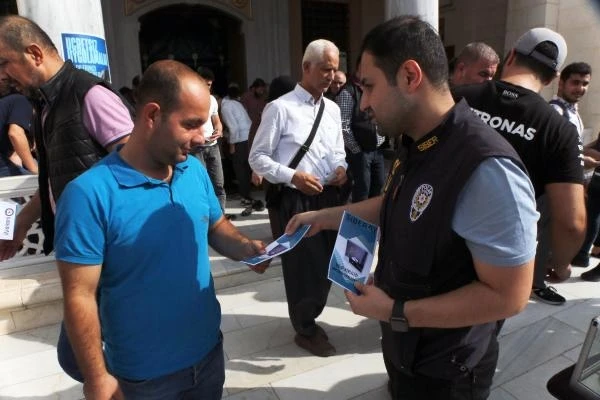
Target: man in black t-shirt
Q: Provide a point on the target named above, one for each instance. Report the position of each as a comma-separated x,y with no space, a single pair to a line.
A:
548,145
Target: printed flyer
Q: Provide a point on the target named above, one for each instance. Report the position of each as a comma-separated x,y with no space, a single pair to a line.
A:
281,245
8,211
353,252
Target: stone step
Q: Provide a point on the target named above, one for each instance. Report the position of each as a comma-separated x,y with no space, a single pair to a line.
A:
31,293
34,299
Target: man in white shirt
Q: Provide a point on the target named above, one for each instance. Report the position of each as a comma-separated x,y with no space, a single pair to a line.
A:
238,123
209,153
573,84
314,184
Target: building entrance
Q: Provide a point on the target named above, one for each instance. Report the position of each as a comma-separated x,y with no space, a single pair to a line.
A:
195,35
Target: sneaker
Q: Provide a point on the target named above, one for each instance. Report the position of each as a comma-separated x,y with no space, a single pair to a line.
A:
593,275
246,202
247,211
548,295
580,261
258,205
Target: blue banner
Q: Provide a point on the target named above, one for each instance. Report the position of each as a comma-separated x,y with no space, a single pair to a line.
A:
87,53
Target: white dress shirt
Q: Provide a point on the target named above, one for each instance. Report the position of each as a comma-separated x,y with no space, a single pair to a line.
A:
285,125
572,111
236,118
208,128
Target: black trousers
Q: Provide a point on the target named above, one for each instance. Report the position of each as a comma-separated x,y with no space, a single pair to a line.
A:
473,385
305,267
242,170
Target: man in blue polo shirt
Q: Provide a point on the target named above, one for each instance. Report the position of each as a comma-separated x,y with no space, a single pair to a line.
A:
134,230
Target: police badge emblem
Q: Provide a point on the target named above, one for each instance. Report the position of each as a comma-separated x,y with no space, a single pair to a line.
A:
420,201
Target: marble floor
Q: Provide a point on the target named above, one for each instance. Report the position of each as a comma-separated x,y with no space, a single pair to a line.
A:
263,363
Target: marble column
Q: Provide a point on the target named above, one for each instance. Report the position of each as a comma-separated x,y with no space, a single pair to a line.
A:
426,9
78,35
268,40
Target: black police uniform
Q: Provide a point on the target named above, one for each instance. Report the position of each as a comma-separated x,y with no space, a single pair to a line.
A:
421,256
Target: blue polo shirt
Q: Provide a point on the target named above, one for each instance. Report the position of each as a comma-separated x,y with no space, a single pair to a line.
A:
157,302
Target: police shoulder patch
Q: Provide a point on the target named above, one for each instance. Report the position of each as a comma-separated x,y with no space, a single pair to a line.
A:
420,201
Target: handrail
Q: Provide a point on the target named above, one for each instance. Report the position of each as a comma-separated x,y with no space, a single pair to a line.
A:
20,189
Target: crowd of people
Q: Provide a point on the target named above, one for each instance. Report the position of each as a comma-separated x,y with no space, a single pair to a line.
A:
485,201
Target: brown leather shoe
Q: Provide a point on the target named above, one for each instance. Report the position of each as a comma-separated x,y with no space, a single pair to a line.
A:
316,344
321,331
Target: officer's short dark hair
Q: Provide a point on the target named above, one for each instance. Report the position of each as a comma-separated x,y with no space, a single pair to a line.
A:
579,68
407,38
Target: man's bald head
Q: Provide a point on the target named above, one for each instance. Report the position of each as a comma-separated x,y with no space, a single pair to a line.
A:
476,63
16,33
162,83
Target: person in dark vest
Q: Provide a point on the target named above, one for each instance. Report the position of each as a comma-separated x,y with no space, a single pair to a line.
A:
362,143
81,119
453,260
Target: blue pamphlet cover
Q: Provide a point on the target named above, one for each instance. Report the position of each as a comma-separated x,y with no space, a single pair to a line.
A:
281,245
353,252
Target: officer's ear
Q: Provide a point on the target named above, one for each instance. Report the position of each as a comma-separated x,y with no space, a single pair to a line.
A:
409,76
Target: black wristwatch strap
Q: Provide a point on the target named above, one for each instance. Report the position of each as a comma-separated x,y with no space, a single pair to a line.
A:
398,321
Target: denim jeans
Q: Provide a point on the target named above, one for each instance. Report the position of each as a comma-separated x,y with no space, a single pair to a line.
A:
593,218
368,173
210,157
544,246
203,380
10,169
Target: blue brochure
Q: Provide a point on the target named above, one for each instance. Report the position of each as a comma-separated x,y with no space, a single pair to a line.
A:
353,252
281,245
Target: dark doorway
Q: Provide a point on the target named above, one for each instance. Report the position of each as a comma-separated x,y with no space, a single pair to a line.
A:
8,7
328,20
195,35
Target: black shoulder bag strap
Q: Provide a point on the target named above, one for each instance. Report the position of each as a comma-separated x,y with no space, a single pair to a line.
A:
304,148
273,194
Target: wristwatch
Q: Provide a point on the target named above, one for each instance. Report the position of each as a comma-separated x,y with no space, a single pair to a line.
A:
398,320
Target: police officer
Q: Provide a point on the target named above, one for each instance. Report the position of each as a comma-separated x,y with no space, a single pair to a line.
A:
450,264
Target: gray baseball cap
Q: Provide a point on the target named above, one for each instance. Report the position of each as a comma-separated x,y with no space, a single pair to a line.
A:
526,45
